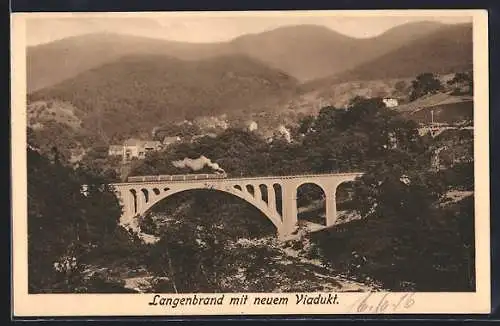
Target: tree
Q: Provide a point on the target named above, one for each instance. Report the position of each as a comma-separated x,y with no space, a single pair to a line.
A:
462,83
306,124
65,224
96,162
396,197
426,83
403,228
400,88
196,252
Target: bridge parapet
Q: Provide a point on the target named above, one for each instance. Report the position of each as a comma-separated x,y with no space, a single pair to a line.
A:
258,178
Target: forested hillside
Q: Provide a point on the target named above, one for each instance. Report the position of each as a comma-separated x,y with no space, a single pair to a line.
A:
206,239
406,220
138,93
125,86
66,226
447,50
294,100
327,52
344,140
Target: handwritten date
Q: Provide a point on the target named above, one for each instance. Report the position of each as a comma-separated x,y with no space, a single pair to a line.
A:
389,302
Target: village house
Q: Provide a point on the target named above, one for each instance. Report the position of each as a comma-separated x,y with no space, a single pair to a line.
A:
134,148
151,146
115,150
167,141
390,102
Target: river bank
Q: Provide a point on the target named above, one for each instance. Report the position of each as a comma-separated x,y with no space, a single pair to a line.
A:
287,268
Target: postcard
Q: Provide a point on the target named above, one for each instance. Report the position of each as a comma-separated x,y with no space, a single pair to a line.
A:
250,163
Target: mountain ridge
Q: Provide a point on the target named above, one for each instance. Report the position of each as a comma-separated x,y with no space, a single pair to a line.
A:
434,53
134,90
282,48
137,92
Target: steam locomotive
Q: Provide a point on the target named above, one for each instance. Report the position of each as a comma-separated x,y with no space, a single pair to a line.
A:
177,177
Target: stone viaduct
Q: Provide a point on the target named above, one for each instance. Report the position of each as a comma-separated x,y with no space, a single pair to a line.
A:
137,198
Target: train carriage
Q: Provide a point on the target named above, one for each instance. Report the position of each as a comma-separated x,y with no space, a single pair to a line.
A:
178,177
150,178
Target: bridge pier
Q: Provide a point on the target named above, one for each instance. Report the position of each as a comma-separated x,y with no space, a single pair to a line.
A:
141,202
330,192
331,208
271,196
128,206
289,214
257,194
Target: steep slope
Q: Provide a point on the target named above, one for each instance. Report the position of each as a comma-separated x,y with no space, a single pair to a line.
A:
139,92
309,52
305,52
447,50
49,64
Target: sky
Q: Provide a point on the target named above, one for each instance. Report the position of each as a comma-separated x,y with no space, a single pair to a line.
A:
219,27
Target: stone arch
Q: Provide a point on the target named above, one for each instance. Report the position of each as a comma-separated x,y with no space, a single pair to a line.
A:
237,187
250,189
145,192
133,192
272,215
156,191
263,193
278,195
311,203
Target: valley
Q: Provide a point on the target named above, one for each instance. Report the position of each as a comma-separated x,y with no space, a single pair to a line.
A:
124,86
294,100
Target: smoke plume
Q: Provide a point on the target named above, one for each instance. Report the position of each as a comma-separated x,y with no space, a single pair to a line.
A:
197,164
282,130
252,126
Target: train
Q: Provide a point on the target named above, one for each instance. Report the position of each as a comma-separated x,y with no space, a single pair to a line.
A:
176,177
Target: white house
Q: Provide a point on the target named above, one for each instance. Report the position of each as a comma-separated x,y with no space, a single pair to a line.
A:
132,148
149,146
167,141
390,102
115,150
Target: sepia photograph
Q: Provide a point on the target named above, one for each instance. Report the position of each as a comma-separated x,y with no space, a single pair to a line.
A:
194,162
